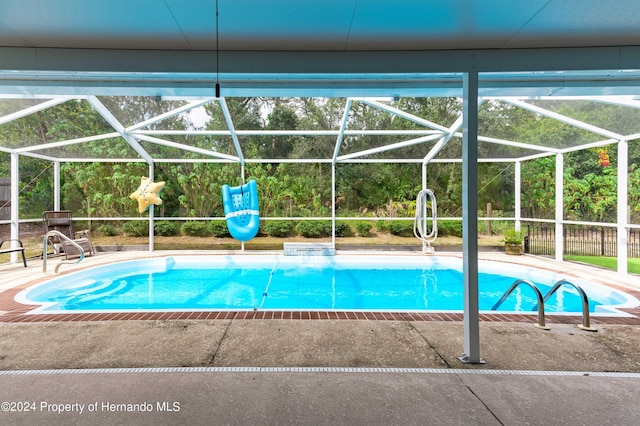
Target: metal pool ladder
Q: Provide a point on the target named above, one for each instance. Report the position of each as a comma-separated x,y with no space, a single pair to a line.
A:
535,288
64,237
586,321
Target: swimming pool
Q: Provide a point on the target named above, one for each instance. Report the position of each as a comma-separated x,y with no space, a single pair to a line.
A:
333,283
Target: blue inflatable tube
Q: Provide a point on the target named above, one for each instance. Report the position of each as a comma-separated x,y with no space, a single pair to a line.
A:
241,210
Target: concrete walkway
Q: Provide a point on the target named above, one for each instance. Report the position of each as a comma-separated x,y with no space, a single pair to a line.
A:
320,398
316,372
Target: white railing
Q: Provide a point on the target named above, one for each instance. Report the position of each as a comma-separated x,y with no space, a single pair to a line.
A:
64,237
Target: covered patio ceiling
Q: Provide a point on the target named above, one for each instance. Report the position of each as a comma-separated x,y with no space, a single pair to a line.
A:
318,48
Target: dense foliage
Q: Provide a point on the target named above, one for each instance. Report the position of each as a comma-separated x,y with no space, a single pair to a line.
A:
101,189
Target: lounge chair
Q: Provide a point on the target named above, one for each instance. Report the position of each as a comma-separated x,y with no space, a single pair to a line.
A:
11,249
62,222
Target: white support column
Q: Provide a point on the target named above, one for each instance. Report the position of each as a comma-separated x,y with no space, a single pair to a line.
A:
424,175
423,168
15,178
56,185
151,210
470,219
559,206
333,204
623,202
518,194
334,159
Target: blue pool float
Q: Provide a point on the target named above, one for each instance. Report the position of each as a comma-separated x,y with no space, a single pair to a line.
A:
241,210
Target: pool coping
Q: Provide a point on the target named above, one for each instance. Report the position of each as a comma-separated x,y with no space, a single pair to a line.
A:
13,311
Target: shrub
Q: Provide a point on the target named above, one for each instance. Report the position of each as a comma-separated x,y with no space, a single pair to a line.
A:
382,225
401,228
314,228
511,236
107,230
343,229
498,226
450,227
218,228
278,228
164,228
363,228
136,228
195,229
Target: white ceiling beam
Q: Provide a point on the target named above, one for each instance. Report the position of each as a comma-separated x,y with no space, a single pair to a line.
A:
118,127
100,160
632,137
389,147
536,156
51,145
343,127
346,132
232,129
167,114
33,109
183,147
444,140
39,156
404,114
632,103
564,119
513,144
589,145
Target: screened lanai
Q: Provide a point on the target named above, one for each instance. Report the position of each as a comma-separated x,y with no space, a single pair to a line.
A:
417,140
207,51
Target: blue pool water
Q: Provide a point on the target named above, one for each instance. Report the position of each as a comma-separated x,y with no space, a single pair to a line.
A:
341,283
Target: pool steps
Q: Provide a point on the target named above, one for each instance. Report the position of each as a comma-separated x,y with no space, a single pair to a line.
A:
309,249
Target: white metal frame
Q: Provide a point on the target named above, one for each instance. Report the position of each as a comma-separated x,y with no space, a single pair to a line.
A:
432,131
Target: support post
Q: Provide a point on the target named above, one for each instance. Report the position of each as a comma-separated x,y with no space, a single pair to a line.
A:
14,211
333,204
56,185
470,219
559,249
518,195
623,206
424,175
151,210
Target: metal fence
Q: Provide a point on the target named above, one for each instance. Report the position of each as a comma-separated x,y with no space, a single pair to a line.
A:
580,240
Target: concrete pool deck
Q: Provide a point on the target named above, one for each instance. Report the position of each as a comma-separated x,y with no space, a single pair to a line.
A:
289,371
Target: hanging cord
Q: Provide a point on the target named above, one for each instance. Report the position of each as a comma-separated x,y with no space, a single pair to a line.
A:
28,184
217,56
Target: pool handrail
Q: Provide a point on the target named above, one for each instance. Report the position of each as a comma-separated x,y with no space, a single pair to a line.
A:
64,237
541,323
586,321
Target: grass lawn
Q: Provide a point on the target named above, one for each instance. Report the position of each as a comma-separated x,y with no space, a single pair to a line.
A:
633,264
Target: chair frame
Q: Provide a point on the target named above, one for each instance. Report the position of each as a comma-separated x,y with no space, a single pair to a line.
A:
14,249
62,221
